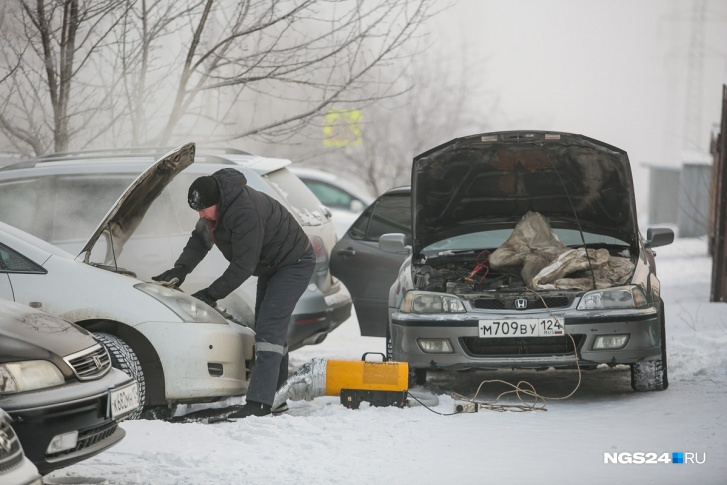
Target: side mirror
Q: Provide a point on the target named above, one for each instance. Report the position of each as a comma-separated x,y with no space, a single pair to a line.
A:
393,243
658,236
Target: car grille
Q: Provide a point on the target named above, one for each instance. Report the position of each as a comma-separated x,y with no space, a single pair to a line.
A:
11,455
529,346
510,303
89,437
90,363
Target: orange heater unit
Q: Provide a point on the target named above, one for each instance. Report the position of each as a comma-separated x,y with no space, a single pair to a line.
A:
382,383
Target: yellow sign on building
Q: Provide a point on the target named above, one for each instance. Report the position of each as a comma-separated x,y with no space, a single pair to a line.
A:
341,128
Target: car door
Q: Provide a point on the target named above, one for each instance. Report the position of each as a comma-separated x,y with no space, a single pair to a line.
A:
367,272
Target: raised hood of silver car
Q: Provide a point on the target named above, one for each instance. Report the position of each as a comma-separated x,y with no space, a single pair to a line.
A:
492,180
128,211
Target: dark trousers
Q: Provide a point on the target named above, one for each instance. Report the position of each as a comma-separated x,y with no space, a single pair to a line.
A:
277,295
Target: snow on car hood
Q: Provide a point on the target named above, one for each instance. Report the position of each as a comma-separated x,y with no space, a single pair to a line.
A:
491,180
128,211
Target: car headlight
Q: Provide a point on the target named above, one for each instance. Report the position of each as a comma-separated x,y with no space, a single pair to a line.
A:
614,298
186,307
429,302
29,375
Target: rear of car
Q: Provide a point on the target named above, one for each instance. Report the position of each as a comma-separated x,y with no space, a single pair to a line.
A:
344,198
326,304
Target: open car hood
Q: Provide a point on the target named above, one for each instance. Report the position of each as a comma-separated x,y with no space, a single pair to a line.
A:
128,211
492,180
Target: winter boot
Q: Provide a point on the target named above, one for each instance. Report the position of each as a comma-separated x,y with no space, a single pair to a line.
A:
251,408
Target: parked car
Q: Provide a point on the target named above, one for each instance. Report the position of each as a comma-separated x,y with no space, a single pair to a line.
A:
368,272
58,386
81,187
524,253
179,349
345,199
15,467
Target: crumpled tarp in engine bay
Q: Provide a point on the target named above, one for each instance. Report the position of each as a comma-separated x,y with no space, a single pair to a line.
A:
546,264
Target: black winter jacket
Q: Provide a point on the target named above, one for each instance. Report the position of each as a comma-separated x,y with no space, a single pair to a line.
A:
254,232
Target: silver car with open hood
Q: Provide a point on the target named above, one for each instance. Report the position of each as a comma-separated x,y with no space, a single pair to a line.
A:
526,253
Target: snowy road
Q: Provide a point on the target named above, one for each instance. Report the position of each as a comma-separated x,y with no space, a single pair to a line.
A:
323,442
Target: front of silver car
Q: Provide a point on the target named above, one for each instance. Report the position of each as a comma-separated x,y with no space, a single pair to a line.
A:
493,214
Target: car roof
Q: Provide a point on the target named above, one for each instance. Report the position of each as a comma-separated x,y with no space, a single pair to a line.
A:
357,189
147,155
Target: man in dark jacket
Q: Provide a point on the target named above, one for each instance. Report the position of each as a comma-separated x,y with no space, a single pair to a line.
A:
259,237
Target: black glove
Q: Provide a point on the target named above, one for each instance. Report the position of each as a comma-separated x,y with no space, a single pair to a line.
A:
204,295
179,272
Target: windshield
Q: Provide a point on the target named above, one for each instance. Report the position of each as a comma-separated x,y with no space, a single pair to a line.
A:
496,238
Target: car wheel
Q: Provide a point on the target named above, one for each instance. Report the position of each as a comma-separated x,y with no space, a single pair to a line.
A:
652,375
417,377
124,359
158,413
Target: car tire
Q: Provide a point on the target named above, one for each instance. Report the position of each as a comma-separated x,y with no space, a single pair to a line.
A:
417,377
124,359
652,375
156,413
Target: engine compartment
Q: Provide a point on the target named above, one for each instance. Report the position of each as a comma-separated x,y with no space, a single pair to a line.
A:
462,275
471,273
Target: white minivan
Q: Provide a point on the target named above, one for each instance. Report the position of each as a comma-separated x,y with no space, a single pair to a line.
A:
179,349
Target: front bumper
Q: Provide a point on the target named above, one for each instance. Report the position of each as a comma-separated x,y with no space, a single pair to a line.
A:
41,415
202,361
472,352
318,320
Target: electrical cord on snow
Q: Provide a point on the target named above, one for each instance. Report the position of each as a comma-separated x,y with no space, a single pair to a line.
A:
518,389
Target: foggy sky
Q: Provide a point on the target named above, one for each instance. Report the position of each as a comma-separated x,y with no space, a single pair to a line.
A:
613,70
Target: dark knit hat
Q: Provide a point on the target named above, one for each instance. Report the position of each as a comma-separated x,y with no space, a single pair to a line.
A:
203,193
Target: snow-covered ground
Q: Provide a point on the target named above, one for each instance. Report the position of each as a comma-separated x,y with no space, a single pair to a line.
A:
323,442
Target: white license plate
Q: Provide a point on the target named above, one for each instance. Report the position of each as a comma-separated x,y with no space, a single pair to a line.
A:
520,327
123,400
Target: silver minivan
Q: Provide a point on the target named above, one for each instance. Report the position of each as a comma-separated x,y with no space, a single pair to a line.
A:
75,190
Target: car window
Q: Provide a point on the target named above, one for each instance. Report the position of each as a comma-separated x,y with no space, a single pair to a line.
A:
391,213
300,200
81,202
12,261
23,204
331,196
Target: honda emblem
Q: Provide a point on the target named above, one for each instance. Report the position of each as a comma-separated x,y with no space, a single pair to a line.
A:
97,361
521,303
